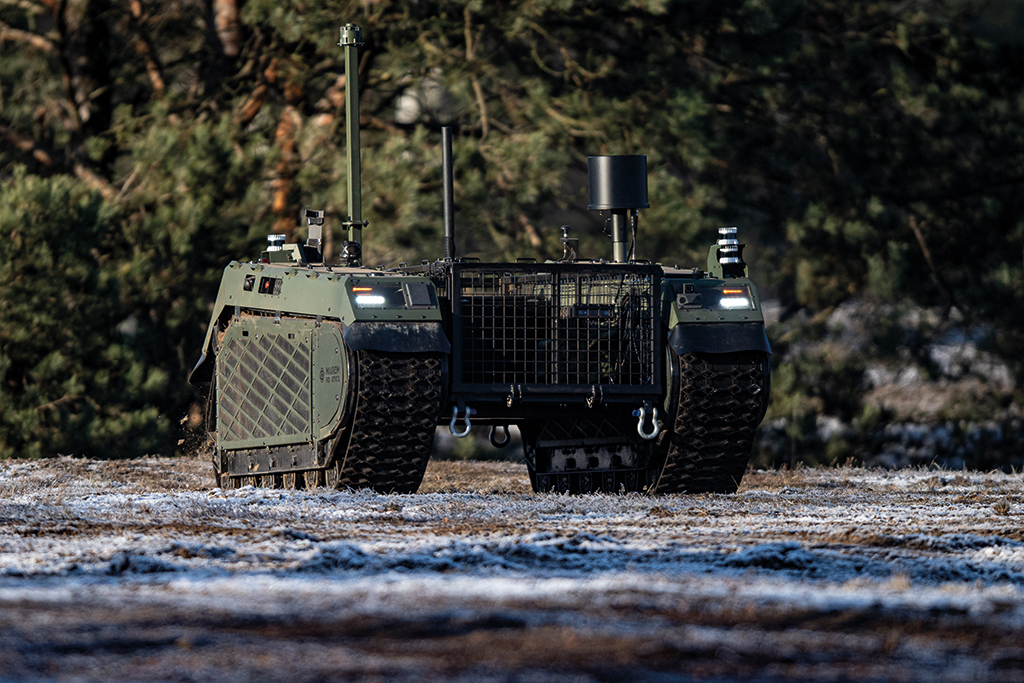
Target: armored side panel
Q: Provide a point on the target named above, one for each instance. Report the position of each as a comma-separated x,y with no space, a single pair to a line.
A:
268,393
263,382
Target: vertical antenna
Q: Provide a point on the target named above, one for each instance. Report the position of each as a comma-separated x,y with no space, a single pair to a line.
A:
351,40
448,191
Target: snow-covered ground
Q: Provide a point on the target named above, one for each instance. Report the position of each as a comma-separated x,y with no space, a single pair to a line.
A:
140,571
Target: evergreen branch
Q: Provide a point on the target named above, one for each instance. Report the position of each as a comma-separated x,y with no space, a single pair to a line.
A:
477,89
27,145
252,105
936,273
33,39
65,65
573,126
67,398
484,124
381,124
144,47
46,157
95,181
29,7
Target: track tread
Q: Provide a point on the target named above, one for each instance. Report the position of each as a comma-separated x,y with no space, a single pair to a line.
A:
392,431
393,426
722,400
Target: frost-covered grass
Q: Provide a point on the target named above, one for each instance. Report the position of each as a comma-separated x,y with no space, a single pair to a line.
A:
889,546
831,526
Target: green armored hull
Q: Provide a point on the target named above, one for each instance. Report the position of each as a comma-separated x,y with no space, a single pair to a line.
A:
620,375
323,374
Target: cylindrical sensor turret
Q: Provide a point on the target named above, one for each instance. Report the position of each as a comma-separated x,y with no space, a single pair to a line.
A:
618,182
351,34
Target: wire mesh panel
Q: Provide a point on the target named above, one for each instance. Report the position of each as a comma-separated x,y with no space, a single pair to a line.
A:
264,387
557,326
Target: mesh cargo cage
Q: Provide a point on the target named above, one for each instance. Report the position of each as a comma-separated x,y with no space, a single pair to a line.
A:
555,329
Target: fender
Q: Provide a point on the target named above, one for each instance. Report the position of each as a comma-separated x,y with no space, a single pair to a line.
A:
718,338
377,336
398,337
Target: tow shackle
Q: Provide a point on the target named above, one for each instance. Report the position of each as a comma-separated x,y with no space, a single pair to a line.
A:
641,413
455,416
492,436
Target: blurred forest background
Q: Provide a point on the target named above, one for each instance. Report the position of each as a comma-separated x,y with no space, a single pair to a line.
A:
871,153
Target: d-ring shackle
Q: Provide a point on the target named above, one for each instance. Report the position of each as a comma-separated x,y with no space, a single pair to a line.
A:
495,442
455,416
641,412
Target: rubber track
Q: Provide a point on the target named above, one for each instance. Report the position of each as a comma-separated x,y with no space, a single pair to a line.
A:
392,431
393,426
722,400
625,480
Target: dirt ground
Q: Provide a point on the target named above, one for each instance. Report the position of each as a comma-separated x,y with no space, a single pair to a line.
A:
141,571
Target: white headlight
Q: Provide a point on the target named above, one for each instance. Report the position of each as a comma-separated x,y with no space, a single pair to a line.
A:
733,302
364,300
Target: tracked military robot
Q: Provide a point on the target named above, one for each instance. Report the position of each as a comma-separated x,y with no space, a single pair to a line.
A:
621,375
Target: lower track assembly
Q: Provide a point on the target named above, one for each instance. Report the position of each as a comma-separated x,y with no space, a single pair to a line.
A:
388,444
722,398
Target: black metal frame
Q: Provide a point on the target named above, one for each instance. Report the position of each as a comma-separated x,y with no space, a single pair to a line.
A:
544,332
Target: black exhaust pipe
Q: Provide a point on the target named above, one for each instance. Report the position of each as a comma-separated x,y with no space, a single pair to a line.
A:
448,191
